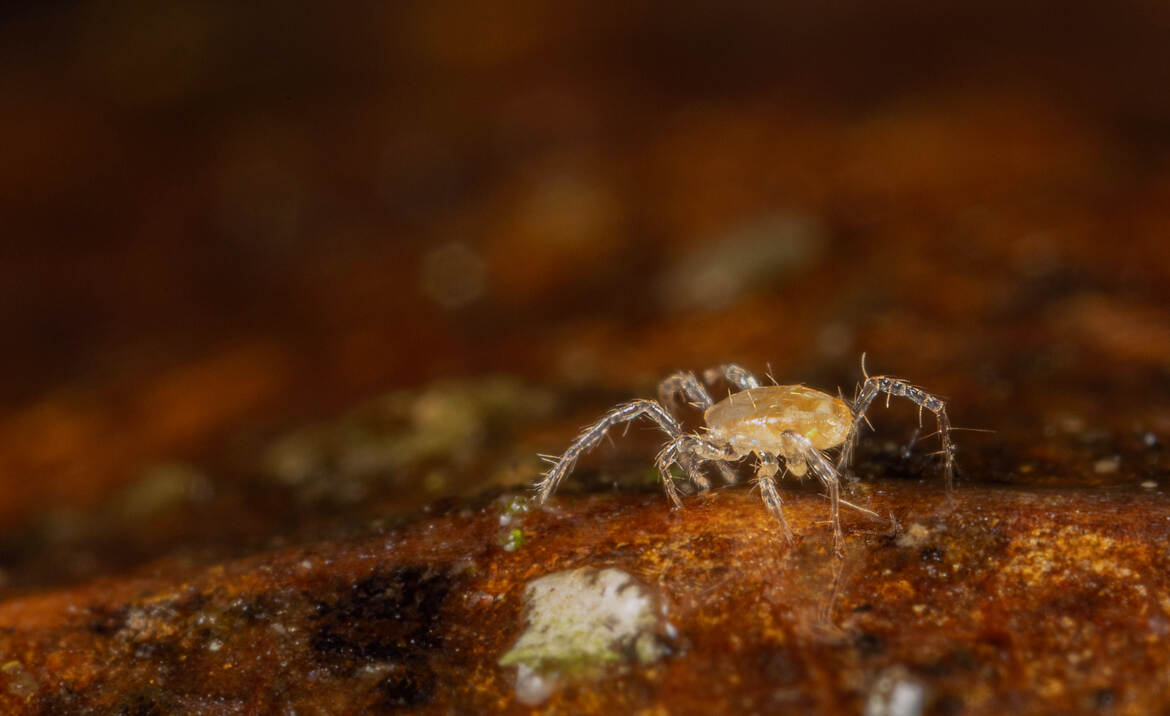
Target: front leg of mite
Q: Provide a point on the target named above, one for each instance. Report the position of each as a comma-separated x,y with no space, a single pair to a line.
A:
683,383
690,451
733,373
695,393
900,388
766,479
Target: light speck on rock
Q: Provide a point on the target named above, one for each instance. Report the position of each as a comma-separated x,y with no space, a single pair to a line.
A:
896,692
583,623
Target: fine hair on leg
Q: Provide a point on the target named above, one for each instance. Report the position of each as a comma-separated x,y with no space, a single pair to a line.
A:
766,479
593,434
733,373
899,388
690,451
799,447
685,383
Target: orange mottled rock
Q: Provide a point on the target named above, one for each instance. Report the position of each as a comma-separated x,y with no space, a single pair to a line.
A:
966,602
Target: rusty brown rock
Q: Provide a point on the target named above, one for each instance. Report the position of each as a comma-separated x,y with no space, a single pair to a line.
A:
985,601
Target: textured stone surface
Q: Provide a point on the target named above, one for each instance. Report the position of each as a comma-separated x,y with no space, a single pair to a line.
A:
995,599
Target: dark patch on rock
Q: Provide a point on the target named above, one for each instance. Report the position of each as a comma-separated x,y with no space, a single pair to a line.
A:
158,651
107,621
390,616
869,644
780,668
147,702
413,688
948,706
66,700
1104,698
931,554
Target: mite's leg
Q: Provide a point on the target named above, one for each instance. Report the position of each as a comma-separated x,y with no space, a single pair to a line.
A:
900,388
766,479
688,451
685,383
733,373
798,447
669,456
593,434
688,385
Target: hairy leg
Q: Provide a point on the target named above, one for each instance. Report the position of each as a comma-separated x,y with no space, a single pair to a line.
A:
593,434
766,479
733,373
690,449
685,383
899,388
799,447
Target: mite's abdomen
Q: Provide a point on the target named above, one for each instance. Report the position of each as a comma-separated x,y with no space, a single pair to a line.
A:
754,419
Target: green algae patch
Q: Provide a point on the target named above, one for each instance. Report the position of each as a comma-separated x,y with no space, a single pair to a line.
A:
583,624
513,539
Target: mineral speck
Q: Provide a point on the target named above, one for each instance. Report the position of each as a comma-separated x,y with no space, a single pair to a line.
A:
581,622
896,692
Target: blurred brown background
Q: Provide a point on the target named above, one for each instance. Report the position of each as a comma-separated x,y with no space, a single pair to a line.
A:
223,220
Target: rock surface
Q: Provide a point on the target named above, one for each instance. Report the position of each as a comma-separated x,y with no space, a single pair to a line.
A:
991,600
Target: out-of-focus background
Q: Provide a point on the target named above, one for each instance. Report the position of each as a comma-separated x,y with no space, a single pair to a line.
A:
224,221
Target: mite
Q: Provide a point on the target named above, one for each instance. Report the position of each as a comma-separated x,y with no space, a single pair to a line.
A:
789,426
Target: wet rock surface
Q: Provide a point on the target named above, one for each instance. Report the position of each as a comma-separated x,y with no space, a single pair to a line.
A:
987,600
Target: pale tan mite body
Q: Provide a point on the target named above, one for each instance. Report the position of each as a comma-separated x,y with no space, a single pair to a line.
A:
755,420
